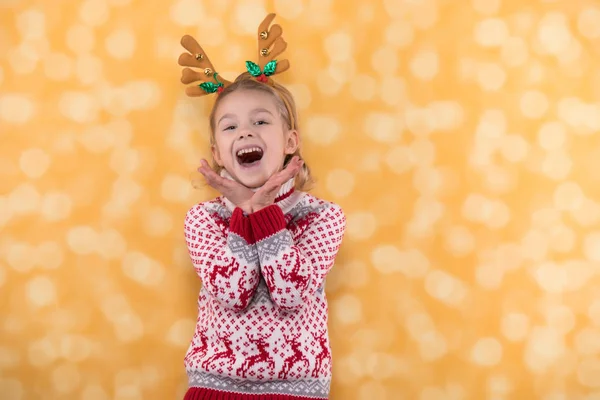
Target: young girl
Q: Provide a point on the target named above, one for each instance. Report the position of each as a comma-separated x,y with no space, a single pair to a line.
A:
263,249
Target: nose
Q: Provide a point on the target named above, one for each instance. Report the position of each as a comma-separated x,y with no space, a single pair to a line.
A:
245,133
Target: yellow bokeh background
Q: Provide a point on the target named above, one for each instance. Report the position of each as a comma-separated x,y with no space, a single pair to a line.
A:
460,137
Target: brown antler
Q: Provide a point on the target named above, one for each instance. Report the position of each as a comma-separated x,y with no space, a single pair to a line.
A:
271,44
197,58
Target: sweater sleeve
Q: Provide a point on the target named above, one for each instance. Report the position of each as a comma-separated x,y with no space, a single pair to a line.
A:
224,257
295,271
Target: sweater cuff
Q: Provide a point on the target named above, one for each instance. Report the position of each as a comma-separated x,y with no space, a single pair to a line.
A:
240,225
267,221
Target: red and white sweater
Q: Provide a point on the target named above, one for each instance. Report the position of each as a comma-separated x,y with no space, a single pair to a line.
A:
262,330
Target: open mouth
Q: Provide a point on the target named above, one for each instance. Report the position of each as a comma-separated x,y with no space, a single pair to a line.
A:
249,156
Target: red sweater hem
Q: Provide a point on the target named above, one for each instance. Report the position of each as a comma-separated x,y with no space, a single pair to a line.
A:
199,393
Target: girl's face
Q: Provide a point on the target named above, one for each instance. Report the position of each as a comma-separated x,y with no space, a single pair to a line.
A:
251,140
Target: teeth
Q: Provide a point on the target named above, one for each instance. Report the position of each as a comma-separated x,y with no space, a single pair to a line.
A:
250,150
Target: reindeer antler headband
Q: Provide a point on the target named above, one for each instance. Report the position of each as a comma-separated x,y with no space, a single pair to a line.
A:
270,45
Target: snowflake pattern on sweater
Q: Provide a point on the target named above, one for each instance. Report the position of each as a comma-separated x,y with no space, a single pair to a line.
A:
262,321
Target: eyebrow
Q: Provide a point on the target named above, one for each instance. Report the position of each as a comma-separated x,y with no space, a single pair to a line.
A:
255,111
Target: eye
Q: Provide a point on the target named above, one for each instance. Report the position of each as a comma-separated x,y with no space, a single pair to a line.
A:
261,122
229,128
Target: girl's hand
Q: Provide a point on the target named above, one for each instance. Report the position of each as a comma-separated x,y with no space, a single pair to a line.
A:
235,192
265,196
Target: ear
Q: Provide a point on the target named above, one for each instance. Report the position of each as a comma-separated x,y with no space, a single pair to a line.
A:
292,142
216,155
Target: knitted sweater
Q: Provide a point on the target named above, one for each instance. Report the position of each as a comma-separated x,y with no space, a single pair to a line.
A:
262,330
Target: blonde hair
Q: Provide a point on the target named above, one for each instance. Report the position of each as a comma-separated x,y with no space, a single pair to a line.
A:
304,180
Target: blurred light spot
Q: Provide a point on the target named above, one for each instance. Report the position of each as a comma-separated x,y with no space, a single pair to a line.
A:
371,390
588,371
361,225
142,269
384,60
158,222
560,318
420,121
419,324
422,151
24,199
16,108
31,24
338,46
9,358
88,69
340,182
12,389
66,378
514,148
490,76
111,244
34,162
552,136
486,7
124,161
382,127
514,52
447,115
246,16
187,12
489,276
544,348
363,87
94,392
356,273
94,12
385,258
174,188
399,34
591,246
347,309
557,164
58,66
55,206
587,23
588,214
80,39
289,9
499,385
551,277
427,180
18,257
121,43
491,32
43,352
487,352
322,130
432,393
425,65
553,33
41,291
393,90
568,196
515,326
459,241
302,95
82,239
75,348
444,287
78,106
492,124
534,104
432,346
